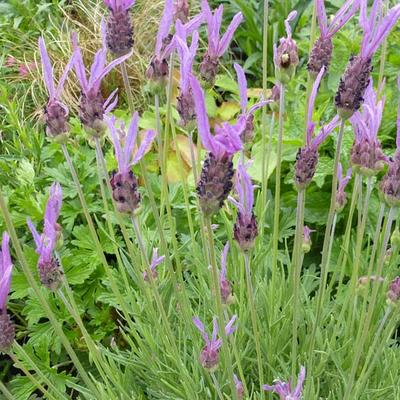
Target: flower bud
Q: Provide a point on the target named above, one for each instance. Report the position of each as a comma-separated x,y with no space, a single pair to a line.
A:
286,61
209,358
367,157
7,332
119,36
208,69
91,111
125,191
395,238
245,231
352,86
320,56
390,184
56,118
394,291
185,108
305,166
50,274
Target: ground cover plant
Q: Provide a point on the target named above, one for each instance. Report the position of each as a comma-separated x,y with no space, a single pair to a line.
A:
203,207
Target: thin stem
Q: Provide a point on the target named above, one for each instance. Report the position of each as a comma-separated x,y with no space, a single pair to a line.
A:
218,305
216,385
128,90
362,332
5,391
275,235
33,284
297,260
253,313
264,113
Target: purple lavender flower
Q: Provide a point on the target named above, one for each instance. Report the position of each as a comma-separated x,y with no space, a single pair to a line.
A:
165,43
119,27
307,156
394,290
123,182
92,105
216,46
321,52
306,245
156,260
354,82
209,356
55,112
390,185
286,55
48,265
216,176
225,284
7,329
185,102
181,11
367,157
285,391
342,183
247,115
239,387
245,230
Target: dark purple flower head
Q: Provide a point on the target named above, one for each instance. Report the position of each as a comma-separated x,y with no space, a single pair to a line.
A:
92,104
286,55
217,45
49,271
366,154
285,390
123,182
355,80
209,356
245,229
321,52
394,290
5,271
185,102
56,112
246,114
224,283
307,157
156,260
119,27
342,183
239,387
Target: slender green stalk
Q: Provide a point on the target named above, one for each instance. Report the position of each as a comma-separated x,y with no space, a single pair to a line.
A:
253,313
128,90
5,391
297,260
42,300
275,235
218,306
364,327
216,385
264,114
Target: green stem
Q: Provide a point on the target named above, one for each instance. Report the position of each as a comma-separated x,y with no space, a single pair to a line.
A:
218,305
297,260
5,391
364,327
42,300
128,90
253,313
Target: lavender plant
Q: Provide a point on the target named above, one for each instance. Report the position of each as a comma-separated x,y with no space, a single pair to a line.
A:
113,322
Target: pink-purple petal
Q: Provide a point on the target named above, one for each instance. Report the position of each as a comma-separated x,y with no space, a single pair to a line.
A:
47,69
148,138
242,83
228,35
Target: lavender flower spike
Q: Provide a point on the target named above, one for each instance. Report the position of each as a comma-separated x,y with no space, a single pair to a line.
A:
225,284
123,182
156,260
209,357
247,115
342,183
216,46
181,10
185,102
354,82
321,52
307,156
239,387
55,112
48,265
366,154
245,230
286,55
119,26
285,390
390,185
216,176
92,106
7,330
